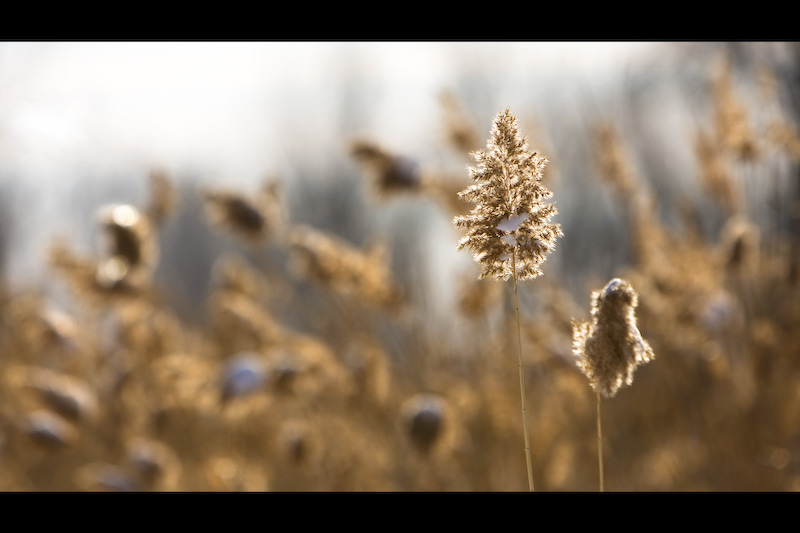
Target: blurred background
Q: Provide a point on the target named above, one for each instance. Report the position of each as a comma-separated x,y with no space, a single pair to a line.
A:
671,164
84,122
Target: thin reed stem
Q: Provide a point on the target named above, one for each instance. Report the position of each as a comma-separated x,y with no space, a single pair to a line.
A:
599,441
522,376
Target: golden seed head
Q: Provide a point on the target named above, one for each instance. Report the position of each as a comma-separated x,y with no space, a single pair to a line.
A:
510,218
610,347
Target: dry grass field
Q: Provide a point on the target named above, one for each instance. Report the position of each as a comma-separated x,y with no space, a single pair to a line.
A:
314,363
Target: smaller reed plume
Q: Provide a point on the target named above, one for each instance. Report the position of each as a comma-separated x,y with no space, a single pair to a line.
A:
614,162
610,347
508,228
731,120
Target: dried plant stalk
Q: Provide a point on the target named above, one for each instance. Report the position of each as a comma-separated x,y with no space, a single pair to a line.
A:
614,162
508,227
730,117
610,347
330,261
715,175
461,133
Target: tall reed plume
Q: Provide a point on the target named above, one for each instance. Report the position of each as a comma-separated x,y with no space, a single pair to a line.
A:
508,228
610,347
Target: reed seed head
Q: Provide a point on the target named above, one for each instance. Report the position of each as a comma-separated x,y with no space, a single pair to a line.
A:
610,347
510,217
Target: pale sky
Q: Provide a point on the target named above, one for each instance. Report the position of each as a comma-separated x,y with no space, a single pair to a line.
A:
200,100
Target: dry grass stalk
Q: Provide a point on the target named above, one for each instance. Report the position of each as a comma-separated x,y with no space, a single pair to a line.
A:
715,174
163,197
614,162
739,244
330,261
98,282
510,221
785,135
732,124
124,269
610,347
461,132
478,296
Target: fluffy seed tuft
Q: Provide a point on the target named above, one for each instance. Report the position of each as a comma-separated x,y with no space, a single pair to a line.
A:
610,347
